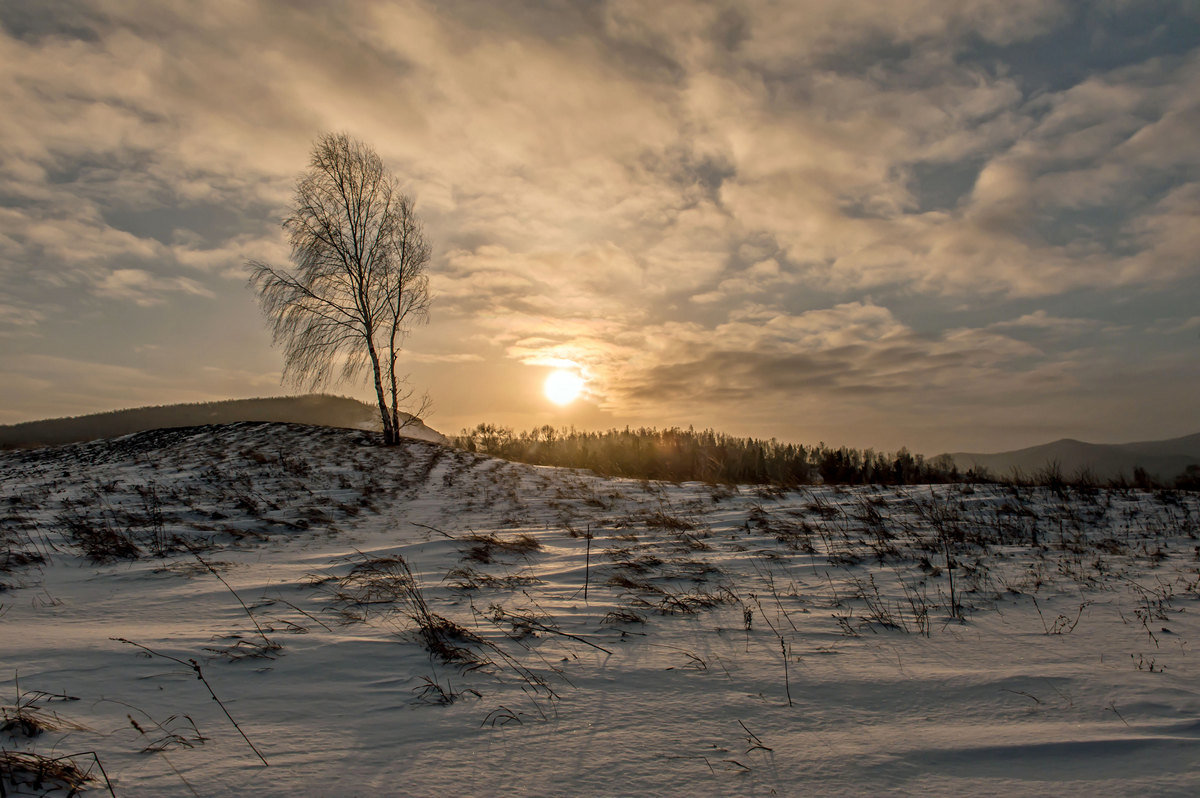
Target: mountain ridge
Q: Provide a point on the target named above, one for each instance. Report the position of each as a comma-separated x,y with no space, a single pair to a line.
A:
1161,459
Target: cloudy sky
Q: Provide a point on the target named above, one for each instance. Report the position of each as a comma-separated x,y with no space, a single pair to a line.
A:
947,225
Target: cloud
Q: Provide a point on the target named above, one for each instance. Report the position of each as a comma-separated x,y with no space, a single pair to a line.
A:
757,279
721,203
1174,326
449,357
718,125
1041,320
17,320
74,386
850,349
759,357
143,288
589,281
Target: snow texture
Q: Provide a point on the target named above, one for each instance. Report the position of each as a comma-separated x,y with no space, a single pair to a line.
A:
418,620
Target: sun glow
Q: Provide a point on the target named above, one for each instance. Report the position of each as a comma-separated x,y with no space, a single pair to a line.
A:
563,387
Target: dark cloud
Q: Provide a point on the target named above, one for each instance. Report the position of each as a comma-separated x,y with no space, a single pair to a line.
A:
31,20
1092,37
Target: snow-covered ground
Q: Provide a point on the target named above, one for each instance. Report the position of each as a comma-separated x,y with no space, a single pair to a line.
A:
423,621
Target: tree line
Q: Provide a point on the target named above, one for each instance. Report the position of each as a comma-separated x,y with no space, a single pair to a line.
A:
683,455
680,455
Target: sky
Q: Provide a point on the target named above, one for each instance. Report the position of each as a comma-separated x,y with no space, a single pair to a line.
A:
966,225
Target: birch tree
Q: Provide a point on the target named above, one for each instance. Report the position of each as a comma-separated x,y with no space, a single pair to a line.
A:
356,283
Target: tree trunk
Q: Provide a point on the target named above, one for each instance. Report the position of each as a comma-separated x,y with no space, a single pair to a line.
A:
389,430
394,386
395,403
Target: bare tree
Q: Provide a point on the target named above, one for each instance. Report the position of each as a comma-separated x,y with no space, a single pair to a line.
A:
356,284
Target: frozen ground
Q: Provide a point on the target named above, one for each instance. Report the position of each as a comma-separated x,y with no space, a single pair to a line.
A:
423,621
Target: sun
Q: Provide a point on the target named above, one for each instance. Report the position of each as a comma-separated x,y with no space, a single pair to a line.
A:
563,387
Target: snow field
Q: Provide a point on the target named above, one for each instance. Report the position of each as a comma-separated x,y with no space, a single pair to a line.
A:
733,641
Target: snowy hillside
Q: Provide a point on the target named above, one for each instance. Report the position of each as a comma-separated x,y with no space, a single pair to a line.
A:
423,621
317,409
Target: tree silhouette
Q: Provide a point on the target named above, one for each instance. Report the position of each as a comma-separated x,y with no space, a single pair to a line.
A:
356,284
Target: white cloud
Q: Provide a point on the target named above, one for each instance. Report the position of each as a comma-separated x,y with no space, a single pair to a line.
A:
143,288
1041,320
16,319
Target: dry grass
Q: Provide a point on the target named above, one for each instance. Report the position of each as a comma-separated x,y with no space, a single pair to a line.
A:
629,583
97,535
29,722
12,558
467,578
21,771
661,520
484,548
687,602
28,718
389,581
431,691
616,617
177,731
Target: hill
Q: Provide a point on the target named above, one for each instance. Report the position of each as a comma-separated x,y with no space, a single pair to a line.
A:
315,409
1163,460
377,620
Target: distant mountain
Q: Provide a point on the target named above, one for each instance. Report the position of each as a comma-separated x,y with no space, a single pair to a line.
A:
316,409
1163,460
